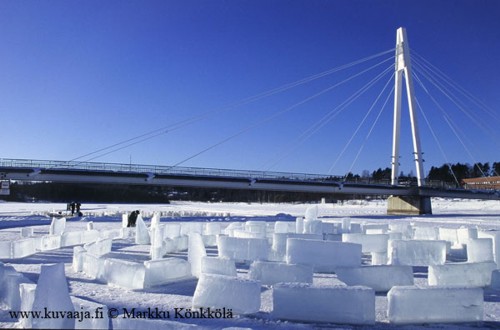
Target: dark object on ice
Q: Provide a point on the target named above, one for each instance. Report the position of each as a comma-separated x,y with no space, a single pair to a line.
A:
80,214
78,206
132,218
73,206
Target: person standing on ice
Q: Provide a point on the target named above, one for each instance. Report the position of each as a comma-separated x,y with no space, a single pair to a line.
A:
73,206
132,218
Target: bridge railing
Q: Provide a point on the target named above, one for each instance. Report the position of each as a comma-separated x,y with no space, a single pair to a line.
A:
156,169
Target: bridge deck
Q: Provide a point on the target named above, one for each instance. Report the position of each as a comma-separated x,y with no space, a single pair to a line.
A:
113,173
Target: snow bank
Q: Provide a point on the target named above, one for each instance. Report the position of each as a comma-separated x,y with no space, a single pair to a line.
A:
462,274
218,291
338,304
324,256
379,278
269,273
409,304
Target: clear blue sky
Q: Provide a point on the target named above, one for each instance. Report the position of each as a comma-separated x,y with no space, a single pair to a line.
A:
77,76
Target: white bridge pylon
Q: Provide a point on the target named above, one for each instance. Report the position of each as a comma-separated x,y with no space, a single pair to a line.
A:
403,66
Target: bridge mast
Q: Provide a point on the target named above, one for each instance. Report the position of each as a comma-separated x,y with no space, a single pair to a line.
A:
403,66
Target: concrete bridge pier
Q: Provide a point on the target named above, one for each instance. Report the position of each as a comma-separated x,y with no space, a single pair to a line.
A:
409,205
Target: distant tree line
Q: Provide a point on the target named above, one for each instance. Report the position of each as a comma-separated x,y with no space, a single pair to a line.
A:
448,173
458,171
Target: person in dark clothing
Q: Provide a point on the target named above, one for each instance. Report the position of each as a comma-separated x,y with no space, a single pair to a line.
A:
78,206
73,206
132,218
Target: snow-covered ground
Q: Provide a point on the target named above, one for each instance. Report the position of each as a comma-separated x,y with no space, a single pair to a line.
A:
484,215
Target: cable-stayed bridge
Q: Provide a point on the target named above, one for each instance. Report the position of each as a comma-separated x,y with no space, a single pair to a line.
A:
133,174
404,199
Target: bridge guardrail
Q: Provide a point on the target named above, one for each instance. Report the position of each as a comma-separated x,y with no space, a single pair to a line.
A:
157,169
199,171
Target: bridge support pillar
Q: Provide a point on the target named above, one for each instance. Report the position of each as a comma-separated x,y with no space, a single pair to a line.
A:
408,205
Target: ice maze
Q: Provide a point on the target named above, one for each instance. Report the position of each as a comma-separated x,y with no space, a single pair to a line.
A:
235,263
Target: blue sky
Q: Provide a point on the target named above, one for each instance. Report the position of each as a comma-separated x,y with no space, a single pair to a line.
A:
78,76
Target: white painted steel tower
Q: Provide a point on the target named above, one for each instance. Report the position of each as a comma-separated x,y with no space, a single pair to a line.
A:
403,66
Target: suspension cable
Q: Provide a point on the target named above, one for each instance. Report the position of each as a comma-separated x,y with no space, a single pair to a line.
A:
440,147
370,132
275,115
171,127
305,135
460,105
458,88
359,126
447,119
